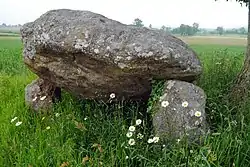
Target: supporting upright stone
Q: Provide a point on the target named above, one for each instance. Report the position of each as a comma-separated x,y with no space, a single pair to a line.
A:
40,94
180,112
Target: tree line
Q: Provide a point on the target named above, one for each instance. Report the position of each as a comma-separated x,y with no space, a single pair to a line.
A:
194,29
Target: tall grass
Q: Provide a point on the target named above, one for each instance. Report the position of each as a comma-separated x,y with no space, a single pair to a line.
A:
78,132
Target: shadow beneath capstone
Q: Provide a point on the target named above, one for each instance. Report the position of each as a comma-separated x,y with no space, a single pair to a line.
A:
127,111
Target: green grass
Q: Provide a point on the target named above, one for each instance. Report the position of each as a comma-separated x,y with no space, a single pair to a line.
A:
210,49
98,130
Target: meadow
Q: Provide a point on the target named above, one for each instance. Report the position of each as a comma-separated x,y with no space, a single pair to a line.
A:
86,133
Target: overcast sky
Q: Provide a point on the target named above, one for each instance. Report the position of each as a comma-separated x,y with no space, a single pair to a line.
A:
208,13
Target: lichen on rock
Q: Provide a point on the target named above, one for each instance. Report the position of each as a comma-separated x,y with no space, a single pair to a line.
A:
183,116
63,41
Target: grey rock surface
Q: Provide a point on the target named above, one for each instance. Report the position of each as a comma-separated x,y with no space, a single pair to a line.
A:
180,112
93,56
40,94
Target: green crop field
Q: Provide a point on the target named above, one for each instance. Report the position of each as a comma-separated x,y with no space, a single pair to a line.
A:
87,133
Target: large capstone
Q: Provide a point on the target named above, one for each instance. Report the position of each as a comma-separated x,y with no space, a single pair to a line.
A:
93,56
180,113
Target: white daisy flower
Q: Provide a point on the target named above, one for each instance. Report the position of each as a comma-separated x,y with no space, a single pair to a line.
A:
18,123
112,95
139,136
57,114
197,113
156,139
48,127
85,118
196,123
131,128
34,99
150,141
126,157
164,103
129,134
138,121
42,98
131,142
12,120
184,104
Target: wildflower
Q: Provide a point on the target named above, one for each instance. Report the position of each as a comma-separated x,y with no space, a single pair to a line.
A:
57,114
129,134
42,98
196,123
150,141
131,128
184,104
163,145
139,136
131,142
112,96
43,118
85,118
197,113
34,99
12,120
126,157
164,103
191,151
234,122
178,140
239,141
48,127
155,139
138,122
18,123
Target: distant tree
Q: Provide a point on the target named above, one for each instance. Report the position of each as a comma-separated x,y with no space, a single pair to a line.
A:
186,30
138,22
183,29
231,31
150,25
168,29
163,28
195,27
176,30
242,30
189,30
203,31
4,25
220,30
